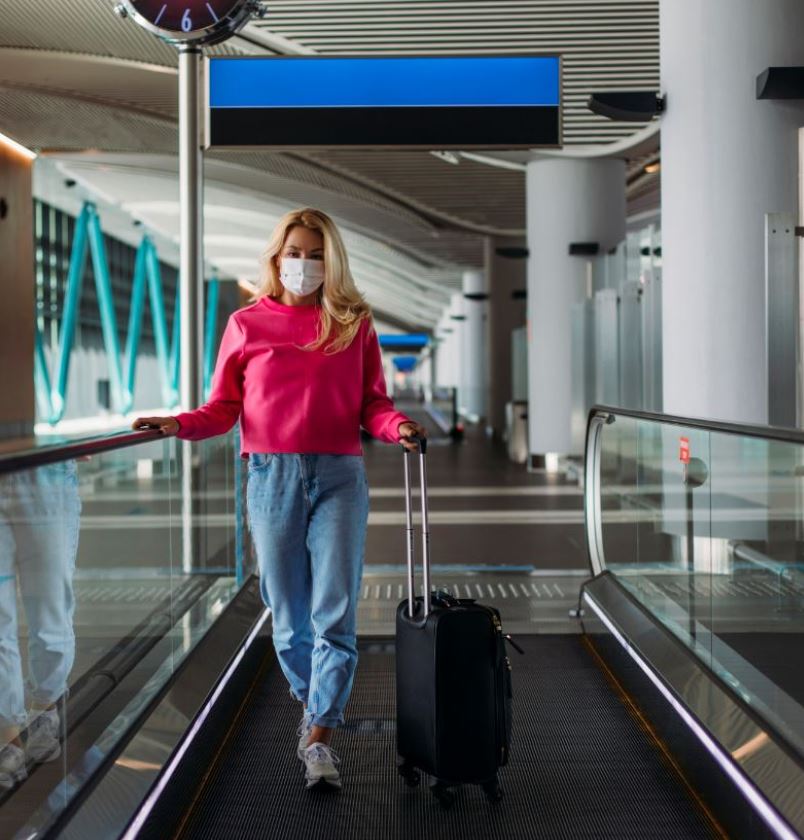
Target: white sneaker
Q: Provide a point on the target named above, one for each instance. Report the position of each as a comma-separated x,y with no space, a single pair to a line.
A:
319,767
42,742
12,766
304,730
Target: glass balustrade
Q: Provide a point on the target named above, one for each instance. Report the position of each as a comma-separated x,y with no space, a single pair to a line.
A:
705,528
114,562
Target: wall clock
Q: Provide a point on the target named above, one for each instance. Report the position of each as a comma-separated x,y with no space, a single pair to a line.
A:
189,21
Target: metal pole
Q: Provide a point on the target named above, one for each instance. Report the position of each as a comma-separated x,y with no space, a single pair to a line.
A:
191,264
190,274
425,528
691,605
409,535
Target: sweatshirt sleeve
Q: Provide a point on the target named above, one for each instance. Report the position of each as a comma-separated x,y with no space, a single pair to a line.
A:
378,415
221,411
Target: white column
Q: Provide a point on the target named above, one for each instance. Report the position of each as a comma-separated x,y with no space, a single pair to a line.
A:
727,159
389,371
473,396
505,273
444,363
450,331
568,200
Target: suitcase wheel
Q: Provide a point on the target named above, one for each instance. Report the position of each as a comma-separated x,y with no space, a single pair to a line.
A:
493,791
443,794
410,774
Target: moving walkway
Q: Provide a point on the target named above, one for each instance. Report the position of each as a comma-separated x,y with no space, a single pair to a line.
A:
669,713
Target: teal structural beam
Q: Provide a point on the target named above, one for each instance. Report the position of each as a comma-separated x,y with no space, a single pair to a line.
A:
103,285
174,346
135,323
41,376
210,332
72,296
88,235
170,393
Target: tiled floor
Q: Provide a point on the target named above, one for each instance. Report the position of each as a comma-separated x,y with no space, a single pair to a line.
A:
500,534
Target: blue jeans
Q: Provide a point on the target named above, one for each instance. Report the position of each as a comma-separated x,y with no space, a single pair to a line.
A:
308,517
39,523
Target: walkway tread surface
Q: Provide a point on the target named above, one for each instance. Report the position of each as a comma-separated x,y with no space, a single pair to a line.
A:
581,767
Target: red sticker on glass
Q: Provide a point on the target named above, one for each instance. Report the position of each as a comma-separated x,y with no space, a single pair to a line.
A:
684,450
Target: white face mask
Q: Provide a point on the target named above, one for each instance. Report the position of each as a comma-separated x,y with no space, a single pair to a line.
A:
302,277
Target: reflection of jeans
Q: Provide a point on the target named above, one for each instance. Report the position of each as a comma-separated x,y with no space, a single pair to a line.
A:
39,521
308,516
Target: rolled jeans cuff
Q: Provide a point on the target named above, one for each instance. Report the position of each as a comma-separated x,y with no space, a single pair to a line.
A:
328,722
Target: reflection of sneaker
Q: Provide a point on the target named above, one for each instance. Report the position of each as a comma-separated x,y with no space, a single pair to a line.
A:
12,766
42,743
319,767
304,730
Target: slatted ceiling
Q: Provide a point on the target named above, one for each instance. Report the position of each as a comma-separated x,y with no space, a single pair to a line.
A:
46,121
478,193
85,26
605,44
295,167
88,26
433,245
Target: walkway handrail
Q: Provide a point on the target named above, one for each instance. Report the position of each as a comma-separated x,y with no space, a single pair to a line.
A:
51,453
602,415
767,432
707,631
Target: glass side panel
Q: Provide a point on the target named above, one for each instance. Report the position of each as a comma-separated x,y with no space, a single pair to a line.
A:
621,504
111,569
705,529
758,620
656,521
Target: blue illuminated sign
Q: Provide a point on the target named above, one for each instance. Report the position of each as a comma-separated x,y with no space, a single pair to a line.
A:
386,83
405,364
426,101
408,340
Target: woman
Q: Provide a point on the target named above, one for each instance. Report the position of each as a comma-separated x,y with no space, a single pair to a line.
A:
302,370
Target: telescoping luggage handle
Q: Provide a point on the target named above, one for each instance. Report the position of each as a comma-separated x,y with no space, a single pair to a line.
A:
422,444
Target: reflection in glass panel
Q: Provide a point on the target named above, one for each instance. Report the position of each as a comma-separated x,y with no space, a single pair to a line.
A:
39,526
656,524
758,607
109,575
706,530
620,500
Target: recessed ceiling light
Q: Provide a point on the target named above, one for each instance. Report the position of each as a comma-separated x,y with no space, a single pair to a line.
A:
447,157
19,148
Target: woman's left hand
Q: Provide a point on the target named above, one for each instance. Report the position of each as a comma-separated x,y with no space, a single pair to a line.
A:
409,430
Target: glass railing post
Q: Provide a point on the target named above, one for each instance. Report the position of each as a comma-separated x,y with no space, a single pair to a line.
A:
592,501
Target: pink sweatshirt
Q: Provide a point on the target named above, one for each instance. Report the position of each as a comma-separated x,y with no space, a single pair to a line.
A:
289,399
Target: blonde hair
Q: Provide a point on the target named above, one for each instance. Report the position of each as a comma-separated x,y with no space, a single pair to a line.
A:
342,305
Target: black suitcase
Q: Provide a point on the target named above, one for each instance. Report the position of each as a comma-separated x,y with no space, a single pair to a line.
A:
453,679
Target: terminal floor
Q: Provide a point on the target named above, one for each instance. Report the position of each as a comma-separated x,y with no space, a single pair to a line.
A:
484,508
581,766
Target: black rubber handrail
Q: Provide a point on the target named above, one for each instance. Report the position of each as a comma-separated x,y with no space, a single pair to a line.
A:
746,429
53,453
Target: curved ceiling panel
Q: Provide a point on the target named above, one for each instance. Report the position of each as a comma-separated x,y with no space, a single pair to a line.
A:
237,222
74,76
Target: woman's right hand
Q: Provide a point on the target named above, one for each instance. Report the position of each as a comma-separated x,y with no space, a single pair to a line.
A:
166,425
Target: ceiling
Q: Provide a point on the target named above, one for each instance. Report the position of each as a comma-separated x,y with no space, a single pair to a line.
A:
74,76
